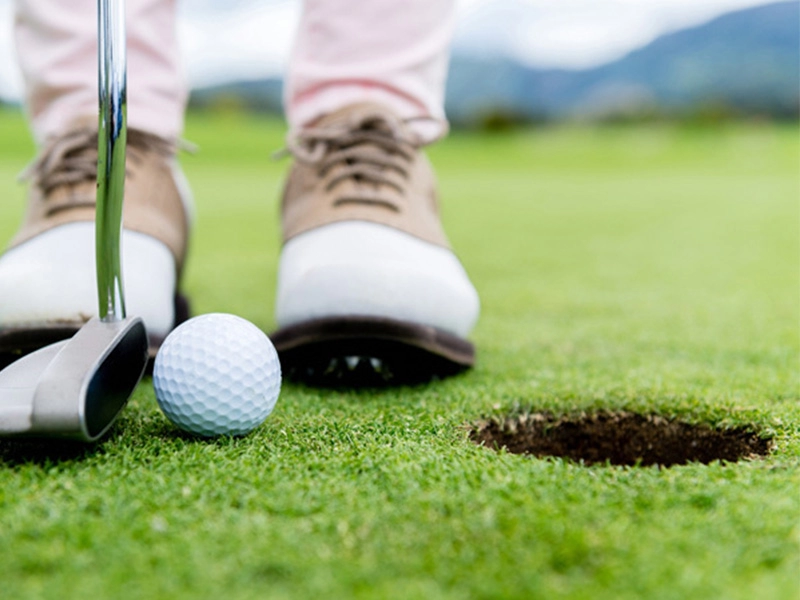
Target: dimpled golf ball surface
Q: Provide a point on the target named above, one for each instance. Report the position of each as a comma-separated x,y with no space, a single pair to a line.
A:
217,374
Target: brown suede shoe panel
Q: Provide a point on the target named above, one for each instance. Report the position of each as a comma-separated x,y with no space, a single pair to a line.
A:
152,204
369,170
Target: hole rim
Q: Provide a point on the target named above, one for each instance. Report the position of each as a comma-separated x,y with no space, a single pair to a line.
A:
488,432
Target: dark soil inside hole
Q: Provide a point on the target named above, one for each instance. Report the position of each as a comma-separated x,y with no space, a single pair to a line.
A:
619,438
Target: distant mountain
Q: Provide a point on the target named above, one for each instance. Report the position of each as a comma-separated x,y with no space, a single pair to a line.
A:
748,60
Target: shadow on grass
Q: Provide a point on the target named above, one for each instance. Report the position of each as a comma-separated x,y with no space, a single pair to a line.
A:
368,381
168,432
52,451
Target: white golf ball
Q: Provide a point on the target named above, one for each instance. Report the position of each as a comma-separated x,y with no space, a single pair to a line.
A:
217,374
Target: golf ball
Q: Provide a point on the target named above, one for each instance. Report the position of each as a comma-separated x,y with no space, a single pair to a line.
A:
217,374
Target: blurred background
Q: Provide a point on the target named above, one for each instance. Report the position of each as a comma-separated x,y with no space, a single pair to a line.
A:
621,182
519,62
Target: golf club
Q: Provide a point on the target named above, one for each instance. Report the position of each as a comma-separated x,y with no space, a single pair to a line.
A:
77,387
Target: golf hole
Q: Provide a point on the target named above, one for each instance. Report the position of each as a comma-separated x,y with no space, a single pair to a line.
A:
619,438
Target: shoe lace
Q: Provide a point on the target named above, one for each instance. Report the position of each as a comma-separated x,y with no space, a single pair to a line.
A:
72,158
377,150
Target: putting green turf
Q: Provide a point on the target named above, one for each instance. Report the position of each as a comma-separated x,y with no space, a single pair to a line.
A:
648,269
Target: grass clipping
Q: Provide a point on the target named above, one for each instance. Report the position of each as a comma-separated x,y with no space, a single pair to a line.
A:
619,438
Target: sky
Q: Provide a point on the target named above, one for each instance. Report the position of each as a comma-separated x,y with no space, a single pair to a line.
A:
252,38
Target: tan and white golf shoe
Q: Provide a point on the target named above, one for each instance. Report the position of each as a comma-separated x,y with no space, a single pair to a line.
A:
47,275
369,290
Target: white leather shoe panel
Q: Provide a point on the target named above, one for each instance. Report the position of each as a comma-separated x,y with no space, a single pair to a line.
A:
51,278
361,268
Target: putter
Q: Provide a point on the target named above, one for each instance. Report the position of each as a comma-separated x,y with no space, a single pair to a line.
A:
77,387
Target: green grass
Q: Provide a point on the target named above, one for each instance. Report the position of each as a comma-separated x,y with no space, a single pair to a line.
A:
650,269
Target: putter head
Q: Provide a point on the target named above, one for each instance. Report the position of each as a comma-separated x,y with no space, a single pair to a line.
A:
74,388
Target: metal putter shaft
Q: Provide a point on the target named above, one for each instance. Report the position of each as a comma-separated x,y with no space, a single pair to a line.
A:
77,387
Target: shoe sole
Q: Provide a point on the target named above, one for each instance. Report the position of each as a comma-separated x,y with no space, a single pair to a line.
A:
16,342
369,352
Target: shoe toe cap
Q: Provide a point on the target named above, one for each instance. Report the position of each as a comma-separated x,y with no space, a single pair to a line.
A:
51,279
366,269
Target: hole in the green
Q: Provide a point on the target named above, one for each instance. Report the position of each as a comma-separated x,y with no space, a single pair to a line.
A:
619,438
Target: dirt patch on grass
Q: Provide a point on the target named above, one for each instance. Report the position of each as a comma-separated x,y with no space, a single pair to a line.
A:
620,438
